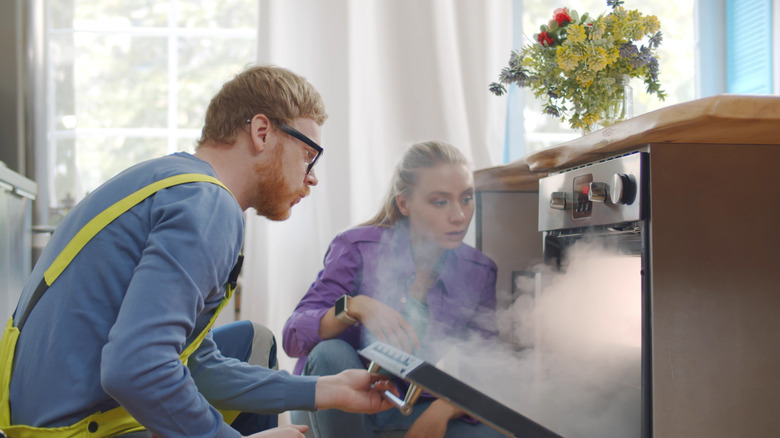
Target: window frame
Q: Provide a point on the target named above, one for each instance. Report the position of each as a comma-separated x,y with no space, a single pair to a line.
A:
55,134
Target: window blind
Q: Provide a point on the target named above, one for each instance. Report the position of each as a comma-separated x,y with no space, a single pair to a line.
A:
749,46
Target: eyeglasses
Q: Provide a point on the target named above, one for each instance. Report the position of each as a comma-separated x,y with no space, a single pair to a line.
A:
311,156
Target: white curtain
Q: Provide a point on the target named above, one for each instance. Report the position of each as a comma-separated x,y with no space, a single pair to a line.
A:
392,72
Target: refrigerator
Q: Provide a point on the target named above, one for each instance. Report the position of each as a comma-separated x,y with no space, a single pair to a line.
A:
16,197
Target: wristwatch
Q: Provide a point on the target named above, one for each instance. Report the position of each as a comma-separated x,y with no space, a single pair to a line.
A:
342,311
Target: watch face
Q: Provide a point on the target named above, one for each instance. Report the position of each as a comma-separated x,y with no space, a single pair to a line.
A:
341,304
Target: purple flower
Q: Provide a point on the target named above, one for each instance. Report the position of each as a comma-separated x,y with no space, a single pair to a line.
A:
514,59
642,58
497,89
655,40
513,75
628,50
652,68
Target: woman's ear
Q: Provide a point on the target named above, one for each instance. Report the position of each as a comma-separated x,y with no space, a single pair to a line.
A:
259,128
403,206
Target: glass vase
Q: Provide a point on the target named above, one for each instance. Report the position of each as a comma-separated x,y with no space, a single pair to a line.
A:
620,108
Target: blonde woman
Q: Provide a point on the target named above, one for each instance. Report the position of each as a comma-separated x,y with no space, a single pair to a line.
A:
406,278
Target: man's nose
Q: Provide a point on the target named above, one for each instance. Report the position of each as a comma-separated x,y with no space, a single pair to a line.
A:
311,178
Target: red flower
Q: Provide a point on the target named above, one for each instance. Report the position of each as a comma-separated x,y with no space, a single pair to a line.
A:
543,38
561,15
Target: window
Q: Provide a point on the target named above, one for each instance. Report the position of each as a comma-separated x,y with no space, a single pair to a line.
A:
676,53
129,80
749,65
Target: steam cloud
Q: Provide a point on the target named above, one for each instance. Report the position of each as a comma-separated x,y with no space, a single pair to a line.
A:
570,352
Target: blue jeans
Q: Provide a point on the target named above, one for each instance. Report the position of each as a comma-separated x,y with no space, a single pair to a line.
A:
333,356
236,340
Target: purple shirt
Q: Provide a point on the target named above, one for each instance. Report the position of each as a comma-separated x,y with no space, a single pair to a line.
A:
377,262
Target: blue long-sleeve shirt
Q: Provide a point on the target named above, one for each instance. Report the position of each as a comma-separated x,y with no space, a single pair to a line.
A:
112,326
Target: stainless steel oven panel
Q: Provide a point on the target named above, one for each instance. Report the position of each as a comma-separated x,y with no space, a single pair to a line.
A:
601,193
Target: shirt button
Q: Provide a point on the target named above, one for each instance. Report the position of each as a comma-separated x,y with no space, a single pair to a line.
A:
403,300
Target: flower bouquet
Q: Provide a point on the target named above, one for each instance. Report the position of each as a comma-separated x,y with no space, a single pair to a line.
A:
579,65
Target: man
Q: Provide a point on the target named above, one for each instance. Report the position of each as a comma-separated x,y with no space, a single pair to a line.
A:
138,290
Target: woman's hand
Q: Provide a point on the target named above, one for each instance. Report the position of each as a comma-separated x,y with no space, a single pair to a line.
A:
384,322
353,391
433,422
288,431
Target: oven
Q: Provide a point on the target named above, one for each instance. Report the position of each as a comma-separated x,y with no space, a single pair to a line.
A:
669,221
594,224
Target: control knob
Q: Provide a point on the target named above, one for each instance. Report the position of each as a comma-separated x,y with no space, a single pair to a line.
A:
622,190
597,192
558,201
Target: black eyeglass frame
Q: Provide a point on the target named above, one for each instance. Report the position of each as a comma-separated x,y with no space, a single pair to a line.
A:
289,130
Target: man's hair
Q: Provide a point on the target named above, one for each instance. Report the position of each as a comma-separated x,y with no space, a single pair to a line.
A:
276,92
418,156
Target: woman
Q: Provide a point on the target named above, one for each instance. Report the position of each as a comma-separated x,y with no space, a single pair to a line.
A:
407,279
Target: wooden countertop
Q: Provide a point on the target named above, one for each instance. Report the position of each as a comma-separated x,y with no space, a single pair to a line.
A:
721,119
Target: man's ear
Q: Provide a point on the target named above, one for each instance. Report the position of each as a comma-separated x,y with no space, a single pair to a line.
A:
400,201
259,129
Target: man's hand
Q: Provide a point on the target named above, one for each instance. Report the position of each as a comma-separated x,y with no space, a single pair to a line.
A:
433,422
289,431
385,323
355,391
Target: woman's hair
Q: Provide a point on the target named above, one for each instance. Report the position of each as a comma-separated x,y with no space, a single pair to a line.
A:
278,93
418,156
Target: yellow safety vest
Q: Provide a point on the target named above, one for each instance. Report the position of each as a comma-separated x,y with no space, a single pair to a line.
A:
115,421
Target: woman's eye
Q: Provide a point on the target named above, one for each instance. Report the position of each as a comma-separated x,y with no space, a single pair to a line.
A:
468,199
439,203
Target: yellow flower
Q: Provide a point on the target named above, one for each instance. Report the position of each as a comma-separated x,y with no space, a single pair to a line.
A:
567,59
633,15
597,30
589,119
598,59
652,24
585,77
576,33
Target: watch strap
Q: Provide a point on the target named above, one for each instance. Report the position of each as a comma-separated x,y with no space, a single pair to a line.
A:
344,316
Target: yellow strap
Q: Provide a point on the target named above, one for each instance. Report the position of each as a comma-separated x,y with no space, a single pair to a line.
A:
227,416
185,355
103,424
7,348
108,215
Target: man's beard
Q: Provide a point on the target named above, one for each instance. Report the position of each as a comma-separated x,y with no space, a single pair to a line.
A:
272,194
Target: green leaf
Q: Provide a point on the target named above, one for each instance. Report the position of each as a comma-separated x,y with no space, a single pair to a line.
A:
553,25
574,16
